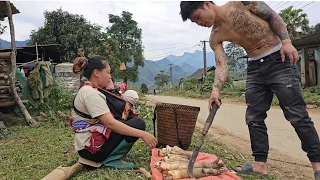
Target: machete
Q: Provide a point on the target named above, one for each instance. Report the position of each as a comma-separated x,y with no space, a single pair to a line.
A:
203,135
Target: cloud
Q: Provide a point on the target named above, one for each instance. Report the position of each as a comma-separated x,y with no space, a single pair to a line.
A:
161,24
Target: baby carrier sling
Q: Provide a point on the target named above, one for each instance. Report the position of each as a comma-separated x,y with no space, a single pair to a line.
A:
119,108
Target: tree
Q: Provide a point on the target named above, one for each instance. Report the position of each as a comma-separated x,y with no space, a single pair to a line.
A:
127,33
237,67
295,20
316,28
110,50
71,31
2,30
144,88
161,79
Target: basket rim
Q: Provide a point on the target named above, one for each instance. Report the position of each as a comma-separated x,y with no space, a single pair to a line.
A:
161,104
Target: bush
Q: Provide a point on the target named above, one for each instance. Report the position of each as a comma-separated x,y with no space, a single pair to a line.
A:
208,83
59,99
311,98
189,84
315,89
175,87
144,88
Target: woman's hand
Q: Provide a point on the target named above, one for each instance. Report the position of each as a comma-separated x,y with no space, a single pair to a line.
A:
121,128
136,113
149,139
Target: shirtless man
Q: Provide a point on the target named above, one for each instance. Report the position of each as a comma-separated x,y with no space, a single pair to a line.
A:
271,70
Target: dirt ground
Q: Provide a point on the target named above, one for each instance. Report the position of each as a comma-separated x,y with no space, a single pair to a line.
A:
286,158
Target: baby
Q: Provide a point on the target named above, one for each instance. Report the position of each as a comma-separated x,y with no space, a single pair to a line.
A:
132,97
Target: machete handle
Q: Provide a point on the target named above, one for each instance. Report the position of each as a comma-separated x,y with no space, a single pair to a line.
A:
209,121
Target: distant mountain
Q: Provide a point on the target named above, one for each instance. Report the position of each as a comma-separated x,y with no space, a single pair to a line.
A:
183,66
188,68
7,44
164,63
194,59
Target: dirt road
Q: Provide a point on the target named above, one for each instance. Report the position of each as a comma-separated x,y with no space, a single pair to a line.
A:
230,129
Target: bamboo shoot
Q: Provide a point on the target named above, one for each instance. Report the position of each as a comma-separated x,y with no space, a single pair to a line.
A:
198,173
174,150
64,173
145,173
165,166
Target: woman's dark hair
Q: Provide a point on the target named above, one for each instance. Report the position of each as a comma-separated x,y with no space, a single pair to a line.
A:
187,7
86,65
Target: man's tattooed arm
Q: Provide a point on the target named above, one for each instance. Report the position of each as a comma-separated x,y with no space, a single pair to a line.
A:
221,72
262,10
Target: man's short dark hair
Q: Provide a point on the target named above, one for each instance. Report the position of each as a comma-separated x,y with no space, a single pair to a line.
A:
187,7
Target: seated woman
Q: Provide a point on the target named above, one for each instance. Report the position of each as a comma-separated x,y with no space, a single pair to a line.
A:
104,131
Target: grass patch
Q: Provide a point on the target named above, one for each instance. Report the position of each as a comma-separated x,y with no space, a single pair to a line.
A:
32,153
311,95
186,94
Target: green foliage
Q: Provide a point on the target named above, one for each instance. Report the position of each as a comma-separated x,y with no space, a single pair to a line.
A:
161,79
237,67
144,88
129,36
2,28
207,86
311,98
71,31
110,50
78,37
189,84
295,19
314,89
186,94
316,28
58,100
175,87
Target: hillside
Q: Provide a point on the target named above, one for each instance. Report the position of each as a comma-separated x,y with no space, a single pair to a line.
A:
183,66
7,44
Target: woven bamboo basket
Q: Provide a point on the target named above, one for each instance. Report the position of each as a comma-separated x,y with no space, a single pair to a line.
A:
175,124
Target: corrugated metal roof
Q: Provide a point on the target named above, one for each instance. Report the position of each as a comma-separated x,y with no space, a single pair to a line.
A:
199,72
28,53
307,41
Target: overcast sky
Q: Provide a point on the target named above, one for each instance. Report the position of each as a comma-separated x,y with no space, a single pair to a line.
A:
161,24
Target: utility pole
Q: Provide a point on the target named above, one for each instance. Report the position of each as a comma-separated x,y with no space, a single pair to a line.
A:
171,73
204,75
204,58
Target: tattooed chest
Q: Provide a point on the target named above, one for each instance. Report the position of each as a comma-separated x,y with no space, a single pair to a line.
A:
250,28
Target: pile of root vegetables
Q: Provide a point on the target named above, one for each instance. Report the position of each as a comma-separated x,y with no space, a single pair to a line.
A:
174,164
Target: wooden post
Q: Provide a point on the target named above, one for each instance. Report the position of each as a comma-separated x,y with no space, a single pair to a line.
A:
302,69
12,75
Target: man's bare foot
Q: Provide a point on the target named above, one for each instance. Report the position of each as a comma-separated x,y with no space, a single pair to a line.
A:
257,167
315,166
260,167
